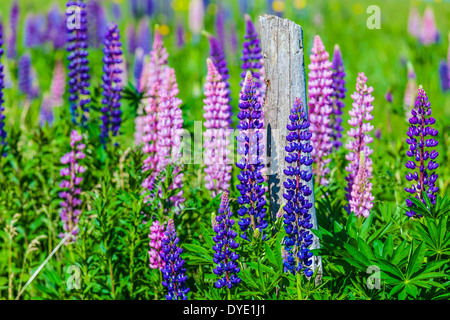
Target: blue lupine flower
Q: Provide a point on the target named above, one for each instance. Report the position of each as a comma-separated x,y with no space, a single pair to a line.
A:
112,89
173,273
424,161
297,219
251,187
225,258
78,64
252,59
2,108
217,56
444,75
96,23
24,74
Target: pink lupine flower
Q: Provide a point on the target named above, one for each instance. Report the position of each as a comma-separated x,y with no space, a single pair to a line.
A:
58,85
360,166
429,33
156,235
196,16
414,22
217,115
320,108
410,91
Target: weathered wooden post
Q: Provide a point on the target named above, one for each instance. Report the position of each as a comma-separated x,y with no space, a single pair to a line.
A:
282,46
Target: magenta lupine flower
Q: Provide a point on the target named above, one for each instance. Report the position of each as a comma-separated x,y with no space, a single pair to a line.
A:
429,33
320,104
217,115
414,22
156,235
423,160
58,85
338,95
360,166
71,204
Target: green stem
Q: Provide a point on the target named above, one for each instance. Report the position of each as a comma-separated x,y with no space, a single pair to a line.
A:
299,291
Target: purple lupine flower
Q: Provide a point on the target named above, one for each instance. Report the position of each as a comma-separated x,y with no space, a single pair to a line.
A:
388,96
56,27
149,8
112,89
71,202
13,22
252,197
97,25
377,133
46,111
24,75
414,22
297,220
58,85
252,59
225,258
31,34
174,274
78,64
422,159
443,75
320,103
180,35
156,235
429,33
338,95
219,25
143,35
116,11
139,66
2,108
233,38
217,115
359,150
131,37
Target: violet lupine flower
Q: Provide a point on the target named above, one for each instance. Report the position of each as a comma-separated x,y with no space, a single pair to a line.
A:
156,235
58,85
297,220
174,274
56,27
219,25
225,258
252,199
97,25
13,22
217,115
46,111
31,34
252,59
429,33
180,35
24,75
143,35
2,86
116,11
112,89
389,98
360,200
138,67
131,37
338,95
71,202
217,56
320,92
78,64
422,159
443,75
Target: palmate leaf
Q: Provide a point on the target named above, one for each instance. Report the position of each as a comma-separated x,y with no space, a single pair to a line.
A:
415,261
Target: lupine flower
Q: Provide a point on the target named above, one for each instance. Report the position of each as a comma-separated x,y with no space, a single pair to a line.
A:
180,35
388,96
78,66
24,75
143,35
297,220
414,22
225,258
443,75
35,89
217,115
56,27
58,85
116,11
149,8
131,37
410,91
252,59
13,22
233,38
252,191
138,66
320,103
422,159
360,166
97,25
217,56
31,32
71,202
196,15
156,235
2,86
174,274
134,6
429,33
338,95
112,89
220,26
46,111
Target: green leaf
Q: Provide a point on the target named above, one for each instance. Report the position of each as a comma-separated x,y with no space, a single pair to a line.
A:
415,261
357,255
365,249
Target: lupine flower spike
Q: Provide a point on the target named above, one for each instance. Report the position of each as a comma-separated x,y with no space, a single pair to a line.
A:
360,166
414,22
156,235
320,104
24,75
297,219
71,204
423,152
252,199
112,89
78,64
225,258
217,115
174,274
429,33
2,86
410,91
338,95
58,84
13,22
